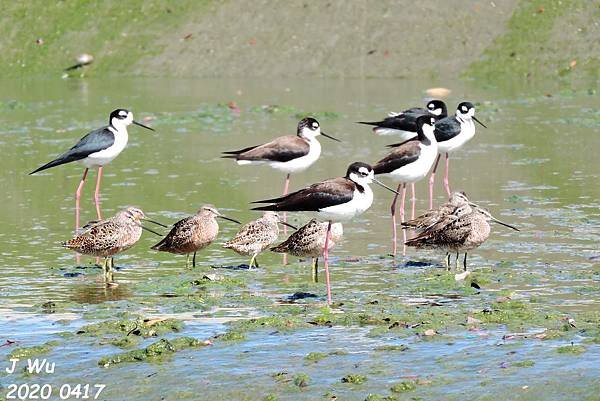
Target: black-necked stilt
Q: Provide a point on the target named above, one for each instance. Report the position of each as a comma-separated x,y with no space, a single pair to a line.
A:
82,60
409,162
405,123
451,133
95,150
335,200
289,154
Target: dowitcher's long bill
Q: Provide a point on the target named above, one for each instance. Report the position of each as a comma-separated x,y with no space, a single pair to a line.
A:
451,134
405,122
193,233
95,150
408,162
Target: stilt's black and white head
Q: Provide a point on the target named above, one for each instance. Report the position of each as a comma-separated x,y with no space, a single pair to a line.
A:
425,125
310,128
360,173
121,118
437,107
466,111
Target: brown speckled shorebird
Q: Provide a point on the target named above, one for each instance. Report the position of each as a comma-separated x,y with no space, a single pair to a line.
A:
256,236
465,229
108,237
431,217
193,233
309,241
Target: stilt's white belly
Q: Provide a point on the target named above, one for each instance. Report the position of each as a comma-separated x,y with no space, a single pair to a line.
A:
346,211
467,132
293,166
404,135
107,155
417,170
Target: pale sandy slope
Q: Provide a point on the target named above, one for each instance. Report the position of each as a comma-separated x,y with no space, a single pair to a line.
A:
332,38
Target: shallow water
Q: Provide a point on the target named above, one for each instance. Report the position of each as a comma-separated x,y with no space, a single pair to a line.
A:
534,167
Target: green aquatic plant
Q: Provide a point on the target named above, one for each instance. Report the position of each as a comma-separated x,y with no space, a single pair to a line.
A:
354,378
403,387
154,352
571,349
301,380
27,352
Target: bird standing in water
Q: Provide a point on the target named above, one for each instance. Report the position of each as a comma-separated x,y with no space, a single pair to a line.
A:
193,233
337,199
95,150
451,133
309,241
289,154
466,228
408,162
256,236
109,237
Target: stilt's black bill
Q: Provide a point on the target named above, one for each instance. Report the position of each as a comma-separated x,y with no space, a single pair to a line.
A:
289,225
151,231
156,222
385,186
505,224
142,125
480,123
230,219
330,137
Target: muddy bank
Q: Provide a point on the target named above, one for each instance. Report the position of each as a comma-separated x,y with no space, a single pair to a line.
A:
539,40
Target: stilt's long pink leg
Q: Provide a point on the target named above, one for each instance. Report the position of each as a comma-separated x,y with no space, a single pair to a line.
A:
286,188
431,181
78,197
326,262
77,208
393,210
413,200
446,181
97,193
402,218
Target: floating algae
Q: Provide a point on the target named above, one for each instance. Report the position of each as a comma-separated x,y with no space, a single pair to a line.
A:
156,351
354,378
403,387
27,352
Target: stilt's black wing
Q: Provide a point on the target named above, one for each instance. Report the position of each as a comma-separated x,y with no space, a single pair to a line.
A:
93,142
316,197
406,153
446,129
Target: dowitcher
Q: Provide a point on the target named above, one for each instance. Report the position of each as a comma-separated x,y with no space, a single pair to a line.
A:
256,236
466,228
405,122
288,154
109,237
309,241
431,217
95,150
409,162
336,199
451,133
193,233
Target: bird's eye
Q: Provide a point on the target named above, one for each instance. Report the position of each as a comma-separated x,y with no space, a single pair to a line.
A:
315,125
